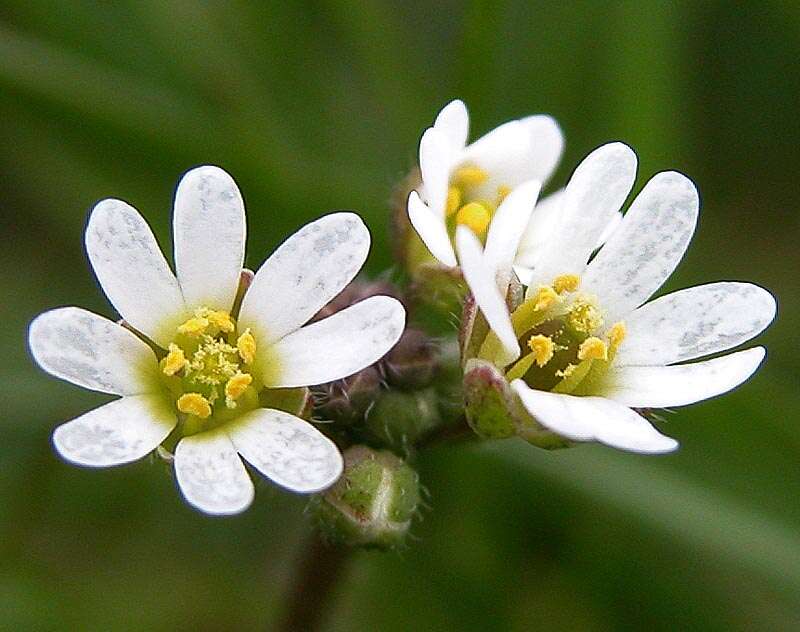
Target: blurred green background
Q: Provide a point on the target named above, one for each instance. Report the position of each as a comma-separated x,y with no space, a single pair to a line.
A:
318,105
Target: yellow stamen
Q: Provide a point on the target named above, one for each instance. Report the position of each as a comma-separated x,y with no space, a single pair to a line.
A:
453,200
616,334
568,370
544,298
175,360
235,387
221,320
194,404
475,216
502,192
469,176
542,348
566,283
194,326
246,344
584,317
593,349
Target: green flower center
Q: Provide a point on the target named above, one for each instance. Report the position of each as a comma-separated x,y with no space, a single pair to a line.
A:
566,346
208,370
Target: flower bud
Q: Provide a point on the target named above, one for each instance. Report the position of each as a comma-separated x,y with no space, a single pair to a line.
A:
374,501
413,361
398,419
348,399
494,411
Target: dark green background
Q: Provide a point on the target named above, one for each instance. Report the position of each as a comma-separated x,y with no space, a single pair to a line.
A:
314,106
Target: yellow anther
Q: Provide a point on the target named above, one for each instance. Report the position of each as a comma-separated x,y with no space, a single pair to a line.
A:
236,386
568,370
566,283
474,216
194,404
221,320
544,298
542,348
175,360
469,176
616,334
194,326
584,317
593,349
502,192
246,344
453,200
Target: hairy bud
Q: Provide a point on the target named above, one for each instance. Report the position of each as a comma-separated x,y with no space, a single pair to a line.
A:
374,501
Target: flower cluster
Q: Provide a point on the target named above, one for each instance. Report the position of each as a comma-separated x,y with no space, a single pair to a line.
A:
558,343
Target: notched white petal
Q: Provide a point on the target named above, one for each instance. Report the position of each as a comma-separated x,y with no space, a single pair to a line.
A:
210,474
593,419
435,161
695,322
287,450
453,123
91,351
508,225
132,270
681,384
431,229
647,246
339,345
482,282
119,432
209,230
595,192
546,146
303,274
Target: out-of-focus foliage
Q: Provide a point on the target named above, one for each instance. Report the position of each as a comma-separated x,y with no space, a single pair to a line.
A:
316,106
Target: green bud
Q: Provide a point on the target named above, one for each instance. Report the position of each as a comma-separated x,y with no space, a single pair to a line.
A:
398,419
374,501
494,411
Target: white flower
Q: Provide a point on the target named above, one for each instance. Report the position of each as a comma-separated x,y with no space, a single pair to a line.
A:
593,351
465,184
199,363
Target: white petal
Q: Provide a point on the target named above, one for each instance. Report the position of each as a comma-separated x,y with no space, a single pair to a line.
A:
503,154
91,351
209,230
453,123
482,282
539,230
595,192
695,322
303,274
287,450
435,160
431,229
593,418
132,271
337,346
681,384
546,146
210,474
646,247
609,229
508,225
119,432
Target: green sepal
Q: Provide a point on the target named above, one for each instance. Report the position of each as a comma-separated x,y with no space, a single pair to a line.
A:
373,503
297,401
